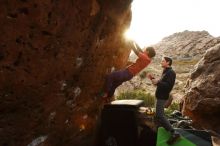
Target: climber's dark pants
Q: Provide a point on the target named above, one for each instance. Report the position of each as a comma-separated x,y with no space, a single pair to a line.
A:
115,79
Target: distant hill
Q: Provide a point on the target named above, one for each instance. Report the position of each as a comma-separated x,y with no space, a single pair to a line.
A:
186,45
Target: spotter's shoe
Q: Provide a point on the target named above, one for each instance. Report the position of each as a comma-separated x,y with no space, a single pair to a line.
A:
173,138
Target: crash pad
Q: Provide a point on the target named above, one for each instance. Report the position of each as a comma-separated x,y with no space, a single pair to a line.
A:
163,136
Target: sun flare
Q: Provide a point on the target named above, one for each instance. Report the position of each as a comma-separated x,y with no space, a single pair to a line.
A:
154,20
138,37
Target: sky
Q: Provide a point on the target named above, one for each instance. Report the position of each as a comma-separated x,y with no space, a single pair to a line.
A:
153,20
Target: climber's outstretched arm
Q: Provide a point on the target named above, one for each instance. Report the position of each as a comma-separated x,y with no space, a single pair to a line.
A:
135,47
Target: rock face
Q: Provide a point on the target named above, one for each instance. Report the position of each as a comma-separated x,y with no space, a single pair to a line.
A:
202,101
187,44
54,56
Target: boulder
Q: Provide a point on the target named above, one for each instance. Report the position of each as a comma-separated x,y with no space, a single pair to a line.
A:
202,99
54,56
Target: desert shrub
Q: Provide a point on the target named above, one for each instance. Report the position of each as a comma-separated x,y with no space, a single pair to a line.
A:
174,106
149,100
143,74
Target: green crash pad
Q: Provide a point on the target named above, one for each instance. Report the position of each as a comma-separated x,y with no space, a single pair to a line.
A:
163,136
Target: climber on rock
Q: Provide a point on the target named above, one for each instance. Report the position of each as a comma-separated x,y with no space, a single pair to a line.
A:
116,78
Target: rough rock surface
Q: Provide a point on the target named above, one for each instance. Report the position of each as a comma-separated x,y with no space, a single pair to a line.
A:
186,44
54,56
202,101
